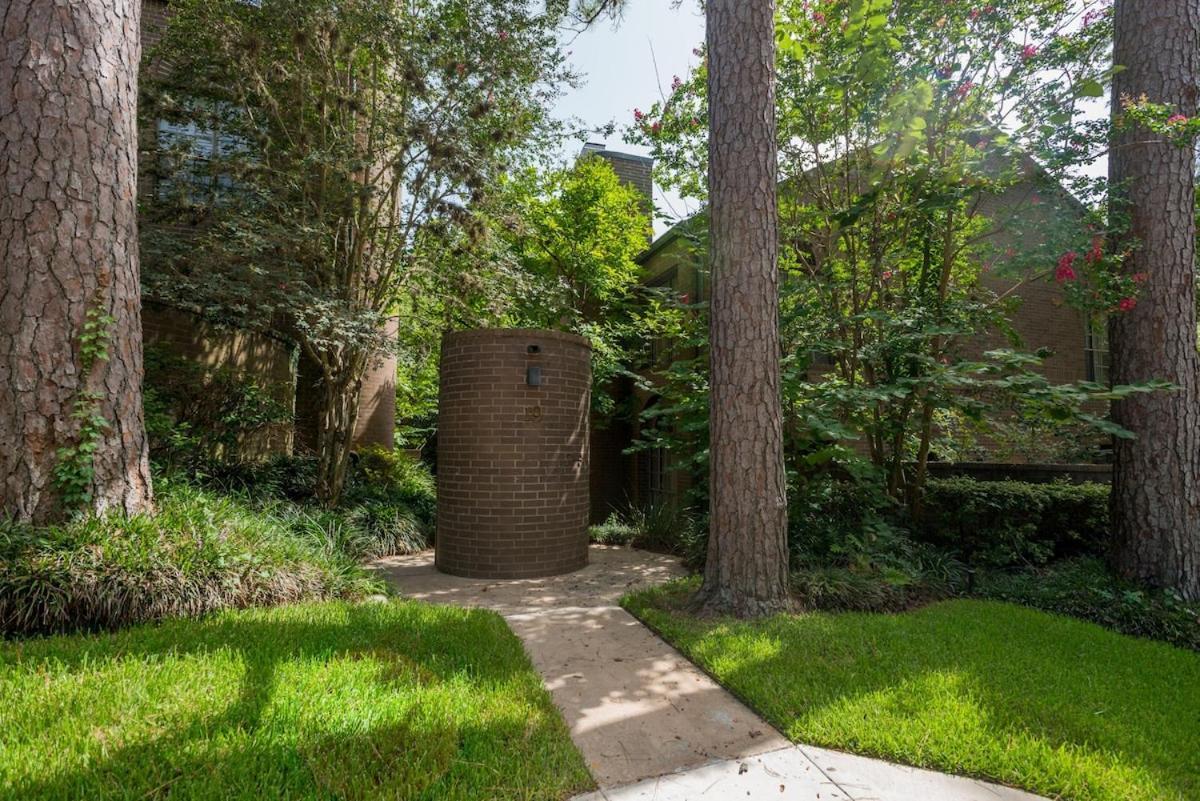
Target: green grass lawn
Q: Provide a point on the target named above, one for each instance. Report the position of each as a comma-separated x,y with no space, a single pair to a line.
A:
1054,705
332,700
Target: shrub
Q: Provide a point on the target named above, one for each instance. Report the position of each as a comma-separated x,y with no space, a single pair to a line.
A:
664,528
613,531
1012,523
394,476
1085,588
199,553
291,477
844,590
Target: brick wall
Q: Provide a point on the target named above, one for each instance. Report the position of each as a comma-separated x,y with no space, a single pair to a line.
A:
256,357
513,459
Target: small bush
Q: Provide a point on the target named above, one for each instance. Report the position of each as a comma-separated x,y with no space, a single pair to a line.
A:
396,477
199,553
663,528
1085,588
613,531
839,589
1012,523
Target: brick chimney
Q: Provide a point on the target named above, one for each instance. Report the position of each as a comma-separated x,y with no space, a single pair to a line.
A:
631,170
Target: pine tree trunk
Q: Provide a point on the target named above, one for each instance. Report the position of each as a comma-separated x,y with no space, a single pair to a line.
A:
69,252
1156,477
746,571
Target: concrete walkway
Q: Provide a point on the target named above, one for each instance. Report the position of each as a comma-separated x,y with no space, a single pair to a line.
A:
649,723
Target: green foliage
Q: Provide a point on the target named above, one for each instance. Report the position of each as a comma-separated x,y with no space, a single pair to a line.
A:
574,235
613,531
306,702
199,553
349,167
1056,706
663,528
840,589
197,412
927,150
74,466
397,477
1012,523
1085,588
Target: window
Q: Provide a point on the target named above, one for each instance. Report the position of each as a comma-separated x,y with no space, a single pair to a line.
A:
1095,350
199,144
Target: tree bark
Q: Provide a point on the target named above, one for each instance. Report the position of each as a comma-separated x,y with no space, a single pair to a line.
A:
1156,477
746,571
69,253
337,415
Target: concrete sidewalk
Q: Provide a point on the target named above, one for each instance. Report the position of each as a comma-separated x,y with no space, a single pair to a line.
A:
649,723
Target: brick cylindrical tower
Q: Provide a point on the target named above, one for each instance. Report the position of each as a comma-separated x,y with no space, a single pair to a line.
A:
513,453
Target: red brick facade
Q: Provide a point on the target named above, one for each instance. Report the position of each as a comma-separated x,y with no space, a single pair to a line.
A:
513,455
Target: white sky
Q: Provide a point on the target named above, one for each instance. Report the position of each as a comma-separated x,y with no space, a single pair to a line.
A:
630,66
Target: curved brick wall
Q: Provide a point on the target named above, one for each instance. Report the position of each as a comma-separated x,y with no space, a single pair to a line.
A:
513,458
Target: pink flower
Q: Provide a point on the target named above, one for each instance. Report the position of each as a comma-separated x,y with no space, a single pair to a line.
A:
695,122
819,17
974,15
1140,278
1028,52
1066,267
887,275
1177,119
504,36
963,88
656,128
1126,304
638,116
1097,252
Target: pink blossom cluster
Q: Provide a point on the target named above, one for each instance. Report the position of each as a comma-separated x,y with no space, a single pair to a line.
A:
1066,267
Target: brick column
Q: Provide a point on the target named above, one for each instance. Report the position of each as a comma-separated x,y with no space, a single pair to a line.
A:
513,453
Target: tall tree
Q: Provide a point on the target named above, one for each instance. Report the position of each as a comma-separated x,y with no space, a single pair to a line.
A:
746,570
1156,477
71,428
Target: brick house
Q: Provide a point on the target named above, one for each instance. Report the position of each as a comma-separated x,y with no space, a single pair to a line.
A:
674,261
274,363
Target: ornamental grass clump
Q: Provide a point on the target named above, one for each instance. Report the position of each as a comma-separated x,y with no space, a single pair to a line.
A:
198,554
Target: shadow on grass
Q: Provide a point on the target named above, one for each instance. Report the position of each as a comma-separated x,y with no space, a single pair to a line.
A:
987,689
249,749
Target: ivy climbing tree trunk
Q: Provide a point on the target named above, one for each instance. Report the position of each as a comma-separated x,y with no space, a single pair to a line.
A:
1156,477
746,570
71,424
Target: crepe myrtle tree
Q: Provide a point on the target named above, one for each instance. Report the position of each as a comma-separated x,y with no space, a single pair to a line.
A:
340,143
924,146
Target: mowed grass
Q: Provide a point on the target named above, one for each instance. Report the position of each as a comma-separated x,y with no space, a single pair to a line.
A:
1056,706
332,700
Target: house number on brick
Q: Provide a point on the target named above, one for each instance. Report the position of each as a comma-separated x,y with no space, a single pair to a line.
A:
533,412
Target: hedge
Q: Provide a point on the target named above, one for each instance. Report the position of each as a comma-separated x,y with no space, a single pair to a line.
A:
1013,523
